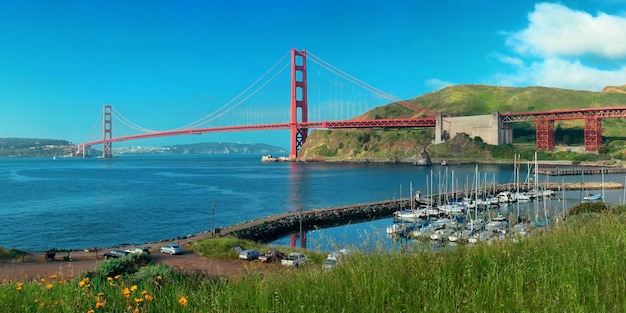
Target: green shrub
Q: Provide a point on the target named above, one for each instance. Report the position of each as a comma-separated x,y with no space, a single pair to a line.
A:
587,207
122,266
7,253
152,273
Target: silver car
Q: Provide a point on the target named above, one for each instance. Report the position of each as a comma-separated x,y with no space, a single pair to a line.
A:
249,255
172,249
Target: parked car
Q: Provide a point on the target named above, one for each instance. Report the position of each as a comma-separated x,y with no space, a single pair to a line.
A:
172,249
272,256
335,258
139,250
294,259
249,255
115,254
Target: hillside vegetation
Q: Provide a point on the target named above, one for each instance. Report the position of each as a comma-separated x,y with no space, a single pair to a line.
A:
464,100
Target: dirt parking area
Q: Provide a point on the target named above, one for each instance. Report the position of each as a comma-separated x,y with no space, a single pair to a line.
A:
34,266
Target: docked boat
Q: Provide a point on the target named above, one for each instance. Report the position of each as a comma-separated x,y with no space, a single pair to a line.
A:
481,236
505,197
521,197
445,223
475,224
400,229
441,234
451,209
593,197
408,215
460,235
497,223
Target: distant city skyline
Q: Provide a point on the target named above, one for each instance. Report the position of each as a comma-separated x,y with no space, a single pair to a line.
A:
168,64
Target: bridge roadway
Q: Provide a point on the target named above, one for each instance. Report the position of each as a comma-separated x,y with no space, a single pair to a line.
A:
273,227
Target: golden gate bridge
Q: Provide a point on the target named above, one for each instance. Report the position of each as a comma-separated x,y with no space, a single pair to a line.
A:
331,98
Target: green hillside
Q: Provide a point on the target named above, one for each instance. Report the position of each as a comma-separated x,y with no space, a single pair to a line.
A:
463,100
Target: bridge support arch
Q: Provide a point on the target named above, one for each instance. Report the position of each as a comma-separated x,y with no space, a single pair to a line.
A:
544,130
298,101
593,133
107,145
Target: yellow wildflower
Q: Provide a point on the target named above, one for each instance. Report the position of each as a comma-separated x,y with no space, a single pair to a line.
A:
182,301
133,288
100,294
19,286
126,292
99,304
49,286
143,292
159,277
138,300
109,278
117,276
53,276
148,297
90,311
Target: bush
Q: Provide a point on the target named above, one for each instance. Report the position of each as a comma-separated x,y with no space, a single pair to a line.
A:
587,207
123,266
7,253
152,273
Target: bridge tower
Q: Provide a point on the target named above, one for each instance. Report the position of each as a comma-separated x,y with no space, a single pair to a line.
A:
107,146
593,133
544,130
298,101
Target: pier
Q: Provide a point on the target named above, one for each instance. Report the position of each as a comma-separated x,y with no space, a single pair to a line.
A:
574,171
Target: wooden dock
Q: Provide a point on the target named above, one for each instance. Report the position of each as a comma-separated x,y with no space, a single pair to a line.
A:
574,171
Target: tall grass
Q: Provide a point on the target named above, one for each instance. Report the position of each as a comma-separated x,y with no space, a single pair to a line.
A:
576,267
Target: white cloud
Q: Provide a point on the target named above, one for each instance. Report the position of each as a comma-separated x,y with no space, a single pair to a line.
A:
555,30
516,62
556,72
437,84
553,49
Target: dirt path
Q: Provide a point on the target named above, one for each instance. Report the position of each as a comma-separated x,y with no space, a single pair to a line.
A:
34,266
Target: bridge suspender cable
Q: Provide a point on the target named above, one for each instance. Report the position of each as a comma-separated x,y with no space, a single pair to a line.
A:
212,116
366,86
130,124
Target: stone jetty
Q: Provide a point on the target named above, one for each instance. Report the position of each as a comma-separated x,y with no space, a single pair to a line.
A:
273,227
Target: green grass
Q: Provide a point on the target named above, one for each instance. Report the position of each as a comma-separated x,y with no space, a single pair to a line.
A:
575,267
7,253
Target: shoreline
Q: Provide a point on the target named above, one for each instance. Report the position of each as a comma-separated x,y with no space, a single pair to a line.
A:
336,214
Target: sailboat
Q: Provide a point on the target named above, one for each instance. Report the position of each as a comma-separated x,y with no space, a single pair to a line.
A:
596,196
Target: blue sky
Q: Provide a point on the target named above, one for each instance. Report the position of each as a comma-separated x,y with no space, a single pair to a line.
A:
165,64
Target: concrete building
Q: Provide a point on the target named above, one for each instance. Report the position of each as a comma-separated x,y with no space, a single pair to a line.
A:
489,128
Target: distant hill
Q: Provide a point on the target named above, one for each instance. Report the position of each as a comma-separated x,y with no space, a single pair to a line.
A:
460,100
204,148
618,89
33,147
225,148
37,147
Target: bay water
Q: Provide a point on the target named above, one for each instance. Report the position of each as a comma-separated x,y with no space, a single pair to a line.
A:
75,203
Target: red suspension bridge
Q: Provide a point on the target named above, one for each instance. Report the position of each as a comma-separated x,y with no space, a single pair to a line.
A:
299,121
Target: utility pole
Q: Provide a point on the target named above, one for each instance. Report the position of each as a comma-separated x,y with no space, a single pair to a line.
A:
301,242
